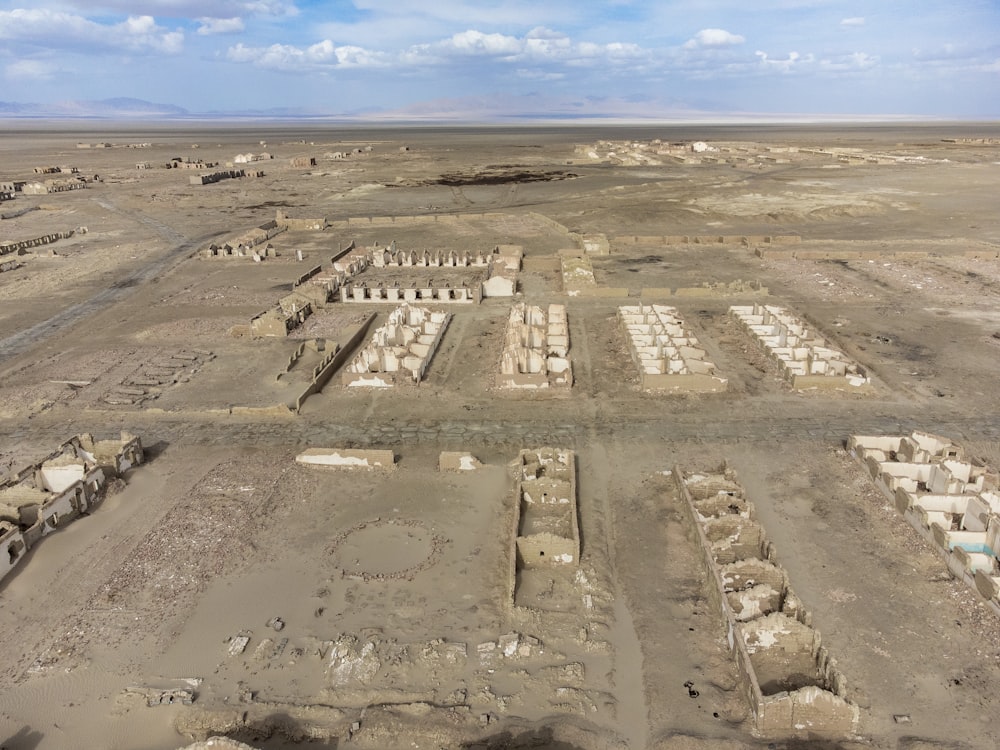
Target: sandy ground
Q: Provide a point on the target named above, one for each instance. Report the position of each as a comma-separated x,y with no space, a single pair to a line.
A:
391,586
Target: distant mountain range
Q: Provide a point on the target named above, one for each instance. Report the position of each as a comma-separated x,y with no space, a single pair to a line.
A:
492,108
121,107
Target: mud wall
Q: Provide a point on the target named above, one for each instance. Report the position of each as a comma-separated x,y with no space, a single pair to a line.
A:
19,246
333,362
712,239
790,682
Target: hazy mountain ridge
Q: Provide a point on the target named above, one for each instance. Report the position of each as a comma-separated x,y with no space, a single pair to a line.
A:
114,107
487,108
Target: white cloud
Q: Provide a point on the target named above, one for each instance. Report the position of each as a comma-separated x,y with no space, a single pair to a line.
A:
854,61
30,70
64,31
853,21
211,26
477,43
323,55
713,38
539,47
944,52
792,62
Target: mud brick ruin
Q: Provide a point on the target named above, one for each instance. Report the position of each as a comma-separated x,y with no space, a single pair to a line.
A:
400,351
291,312
953,503
22,246
362,292
344,458
238,245
313,362
210,178
667,355
807,360
491,274
149,381
313,562
53,186
738,288
548,531
536,348
48,494
790,681
578,278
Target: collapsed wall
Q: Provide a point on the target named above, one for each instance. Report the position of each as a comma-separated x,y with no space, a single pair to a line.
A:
148,382
953,503
726,239
46,495
291,312
226,174
665,352
53,186
791,683
737,288
347,458
400,351
807,360
578,278
536,348
20,246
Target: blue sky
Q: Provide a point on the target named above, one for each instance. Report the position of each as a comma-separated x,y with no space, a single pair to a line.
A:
837,57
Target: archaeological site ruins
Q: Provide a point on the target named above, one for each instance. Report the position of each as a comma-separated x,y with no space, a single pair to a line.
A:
593,437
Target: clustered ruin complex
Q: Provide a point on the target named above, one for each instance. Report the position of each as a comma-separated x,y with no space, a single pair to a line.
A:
38,499
952,502
733,154
536,348
667,355
399,351
807,360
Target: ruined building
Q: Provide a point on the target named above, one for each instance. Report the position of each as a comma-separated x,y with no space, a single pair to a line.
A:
46,495
400,351
668,356
953,503
536,348
789,679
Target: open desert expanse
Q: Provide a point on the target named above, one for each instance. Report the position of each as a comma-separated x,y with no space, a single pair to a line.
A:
455,437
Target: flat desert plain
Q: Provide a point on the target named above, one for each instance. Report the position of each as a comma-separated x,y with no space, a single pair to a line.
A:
285,605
